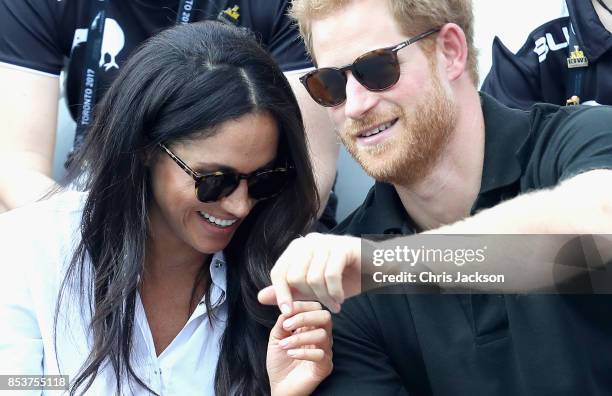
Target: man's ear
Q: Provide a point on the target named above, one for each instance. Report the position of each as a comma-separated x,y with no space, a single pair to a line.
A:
454,50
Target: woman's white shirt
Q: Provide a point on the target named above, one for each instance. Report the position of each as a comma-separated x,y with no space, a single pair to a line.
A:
36,245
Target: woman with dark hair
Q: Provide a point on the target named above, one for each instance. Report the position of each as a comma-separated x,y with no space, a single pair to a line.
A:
138,285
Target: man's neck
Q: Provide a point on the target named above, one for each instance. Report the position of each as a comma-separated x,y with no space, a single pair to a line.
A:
448,193
604,15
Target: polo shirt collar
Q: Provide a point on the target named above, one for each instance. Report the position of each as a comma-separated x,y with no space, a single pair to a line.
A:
593,37
382,212
386,213
218,276
506,131
218,270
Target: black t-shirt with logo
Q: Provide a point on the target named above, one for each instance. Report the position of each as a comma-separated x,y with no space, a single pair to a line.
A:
539,71
48,35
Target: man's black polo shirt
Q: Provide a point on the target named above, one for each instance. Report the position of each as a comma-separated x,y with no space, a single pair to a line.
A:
484,344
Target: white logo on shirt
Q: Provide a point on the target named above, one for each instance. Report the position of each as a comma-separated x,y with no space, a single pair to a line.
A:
112,43
547,43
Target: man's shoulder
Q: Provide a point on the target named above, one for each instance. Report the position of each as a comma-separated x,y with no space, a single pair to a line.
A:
564,142
580,118
259,16
45,10
272,8
575,127
40,33
277,32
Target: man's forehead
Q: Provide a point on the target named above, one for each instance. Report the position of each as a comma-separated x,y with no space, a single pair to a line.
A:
356,28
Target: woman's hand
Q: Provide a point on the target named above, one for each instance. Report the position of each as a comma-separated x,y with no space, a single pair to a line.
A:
299,350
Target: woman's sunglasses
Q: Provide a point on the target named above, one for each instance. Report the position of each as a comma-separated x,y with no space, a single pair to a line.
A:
376,70
213,186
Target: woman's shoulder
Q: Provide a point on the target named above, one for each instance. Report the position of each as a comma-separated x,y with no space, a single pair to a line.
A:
36,245
45,231
50,214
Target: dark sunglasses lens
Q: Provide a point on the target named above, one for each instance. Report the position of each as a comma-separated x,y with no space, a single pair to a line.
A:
377,70
268,184
327,87
213,188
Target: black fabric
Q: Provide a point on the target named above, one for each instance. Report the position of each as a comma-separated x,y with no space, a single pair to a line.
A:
539,73
327,221
43,35
484,344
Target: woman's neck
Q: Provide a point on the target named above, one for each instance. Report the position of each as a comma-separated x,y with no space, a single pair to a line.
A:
168,258
173,279
174,265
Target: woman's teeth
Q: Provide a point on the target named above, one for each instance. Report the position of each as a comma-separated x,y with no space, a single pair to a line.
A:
219,222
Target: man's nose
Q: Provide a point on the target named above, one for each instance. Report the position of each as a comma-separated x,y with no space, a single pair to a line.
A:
359,100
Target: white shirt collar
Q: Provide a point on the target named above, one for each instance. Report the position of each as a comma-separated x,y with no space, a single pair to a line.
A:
218,272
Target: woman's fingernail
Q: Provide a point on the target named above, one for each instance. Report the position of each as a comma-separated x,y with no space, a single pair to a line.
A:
285,309
288,323
292,353
284,342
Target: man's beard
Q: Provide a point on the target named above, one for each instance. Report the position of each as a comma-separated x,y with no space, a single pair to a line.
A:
410,155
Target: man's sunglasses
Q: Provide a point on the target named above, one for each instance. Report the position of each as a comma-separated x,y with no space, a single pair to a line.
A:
376,70
210,187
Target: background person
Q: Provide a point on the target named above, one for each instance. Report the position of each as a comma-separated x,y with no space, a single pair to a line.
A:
399,80
143,281
40,38
540,72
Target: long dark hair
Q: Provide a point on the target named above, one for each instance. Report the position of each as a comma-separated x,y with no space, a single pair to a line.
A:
183,81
